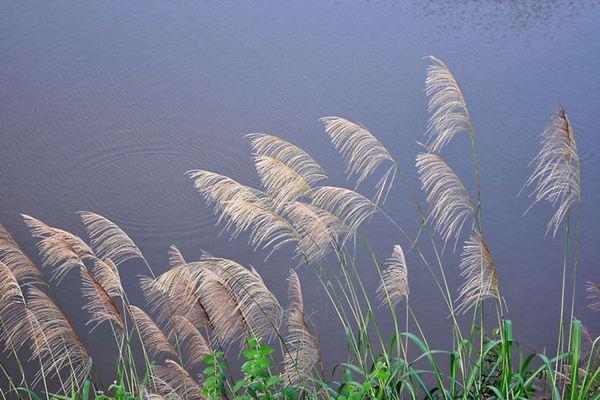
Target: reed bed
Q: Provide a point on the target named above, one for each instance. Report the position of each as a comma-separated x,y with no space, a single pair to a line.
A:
198,313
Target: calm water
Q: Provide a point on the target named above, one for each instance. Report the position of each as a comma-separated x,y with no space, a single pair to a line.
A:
104,106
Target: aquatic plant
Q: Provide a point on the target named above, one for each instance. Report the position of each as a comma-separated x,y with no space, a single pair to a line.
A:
197,311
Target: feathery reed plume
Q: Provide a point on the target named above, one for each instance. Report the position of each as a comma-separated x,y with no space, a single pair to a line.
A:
292,156
321,231
556,176
172,378
447,106
108,239
245,209
99,303
59,248
259,307
350,207
286,171
394,280
153,337
55,342
477,267
24,270
362,152
593,290
266,227
222,307
180,297
449,201
302,347
192,343
13,316
107,275
218,190
282,183
175,257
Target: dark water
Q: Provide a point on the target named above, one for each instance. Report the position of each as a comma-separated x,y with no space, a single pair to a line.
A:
104,106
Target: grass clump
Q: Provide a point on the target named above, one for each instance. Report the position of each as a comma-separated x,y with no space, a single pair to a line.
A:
197,310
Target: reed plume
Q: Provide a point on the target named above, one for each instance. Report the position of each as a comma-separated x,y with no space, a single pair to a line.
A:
178,295
172,378
175,257
258,306
303,351
593,290
54,341
191,341
219,190
556,176
266,227
450,204
60,249
447,106
292,156
153,337
99,303
321,231
478,270
281,182
244,208
22,267
350,207
108,239
286,171
107,275
394,280
362,152
226,317
13,312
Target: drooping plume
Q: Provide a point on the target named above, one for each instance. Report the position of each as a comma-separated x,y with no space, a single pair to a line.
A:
108,239
350,207
394,283
60,249
258,306
54,341
450,204
99,303
175,257
191,341
22,267
172,379
281,182
556,176
153,337
362,152
478,270
15,328
107,275
244,208
302,348
177,295
448,110
227,320
286,171
593,290
321,231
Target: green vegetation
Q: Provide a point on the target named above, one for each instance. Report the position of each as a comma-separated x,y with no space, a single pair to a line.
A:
199,311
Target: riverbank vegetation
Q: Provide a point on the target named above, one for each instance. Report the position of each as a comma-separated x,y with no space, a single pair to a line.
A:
200,312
